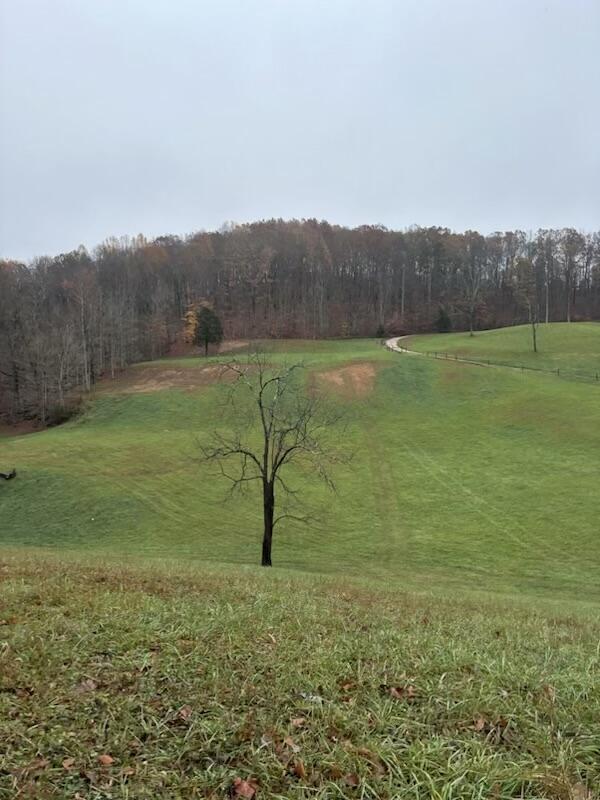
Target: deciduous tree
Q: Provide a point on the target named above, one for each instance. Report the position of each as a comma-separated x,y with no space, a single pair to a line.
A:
278,425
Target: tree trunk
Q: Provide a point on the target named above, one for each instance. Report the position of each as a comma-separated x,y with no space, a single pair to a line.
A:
205,348
533,323
402,304
268,509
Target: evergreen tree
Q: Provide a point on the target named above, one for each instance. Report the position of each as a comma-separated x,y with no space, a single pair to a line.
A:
208,329
443,323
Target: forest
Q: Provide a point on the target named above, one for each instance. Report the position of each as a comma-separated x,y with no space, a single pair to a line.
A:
67,320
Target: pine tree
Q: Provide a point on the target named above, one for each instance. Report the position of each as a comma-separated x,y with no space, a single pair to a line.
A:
443,323
208,328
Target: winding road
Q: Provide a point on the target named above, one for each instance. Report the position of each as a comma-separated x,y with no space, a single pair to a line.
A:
392,344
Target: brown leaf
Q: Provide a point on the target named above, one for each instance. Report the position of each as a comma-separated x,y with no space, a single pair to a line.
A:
106,760
128,771
242,788
298,722
478,724
550,692
403,692
185,712
68,763
38,763
334,772
374,760
300,769
291,744
366,753
352,779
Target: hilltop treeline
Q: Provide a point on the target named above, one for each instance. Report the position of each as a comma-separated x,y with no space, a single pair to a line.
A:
66,320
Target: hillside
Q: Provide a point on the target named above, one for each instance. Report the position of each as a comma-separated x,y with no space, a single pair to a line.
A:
574,349
461,477
181,682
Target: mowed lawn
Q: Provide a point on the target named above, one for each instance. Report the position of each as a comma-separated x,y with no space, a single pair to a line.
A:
572,348
221,682
461,477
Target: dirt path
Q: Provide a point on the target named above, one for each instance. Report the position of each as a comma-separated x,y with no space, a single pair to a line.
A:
392,344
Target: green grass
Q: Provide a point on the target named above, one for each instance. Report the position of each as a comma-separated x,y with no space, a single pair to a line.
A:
572,348
434,635
124,682
461,477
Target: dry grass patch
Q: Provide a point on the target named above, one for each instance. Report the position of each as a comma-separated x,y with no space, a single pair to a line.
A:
351,381
157,379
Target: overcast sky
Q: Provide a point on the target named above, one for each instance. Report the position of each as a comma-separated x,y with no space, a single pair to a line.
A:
169,116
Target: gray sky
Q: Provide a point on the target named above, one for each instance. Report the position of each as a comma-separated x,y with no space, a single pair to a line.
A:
168,116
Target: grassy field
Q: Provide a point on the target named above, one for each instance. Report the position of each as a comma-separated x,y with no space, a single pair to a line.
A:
170,681
434,635
461,477
572,348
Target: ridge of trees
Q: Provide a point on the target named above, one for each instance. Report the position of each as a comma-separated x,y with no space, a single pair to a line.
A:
67,320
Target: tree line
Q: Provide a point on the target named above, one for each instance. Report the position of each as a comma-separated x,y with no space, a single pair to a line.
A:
69,319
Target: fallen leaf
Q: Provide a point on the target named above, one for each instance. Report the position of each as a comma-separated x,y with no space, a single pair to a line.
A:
128,771
242,788
550,692
298,722
272,638
300,769
478,724
106,760
68,763
352,779
402,692
366,753
374,760
291,744
39,763
185,712
334,772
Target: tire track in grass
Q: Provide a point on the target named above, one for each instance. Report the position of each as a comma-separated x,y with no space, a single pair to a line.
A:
448,481
384,490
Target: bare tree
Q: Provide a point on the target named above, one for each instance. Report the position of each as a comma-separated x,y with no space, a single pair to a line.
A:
526,292
280,424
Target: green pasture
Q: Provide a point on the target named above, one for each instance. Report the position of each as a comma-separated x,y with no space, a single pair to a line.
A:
461,477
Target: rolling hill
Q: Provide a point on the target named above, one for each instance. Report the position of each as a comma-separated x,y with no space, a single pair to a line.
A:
461,477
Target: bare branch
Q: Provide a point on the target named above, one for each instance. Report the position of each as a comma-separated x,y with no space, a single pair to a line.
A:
292,429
